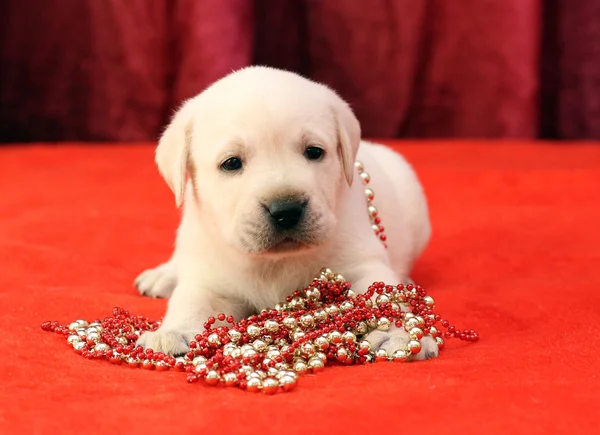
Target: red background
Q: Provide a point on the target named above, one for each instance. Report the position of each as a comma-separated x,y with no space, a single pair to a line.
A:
514,255
116,69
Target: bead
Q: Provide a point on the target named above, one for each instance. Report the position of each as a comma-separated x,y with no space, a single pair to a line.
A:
307,320
359,166
361,328
383,324
341,354
400,355
315,364
348,337
290,322
335,337
370,194
416,333
259,345
234,335
364,345
308,349
197,360
372,211
433,331
272,326
78,346
322,342
411,323
230,379
440,342
72,339
82,323
339,278
382,300
214,340
270,386
253,385
253,331
381,355
365,178
346,306
300,367
428,300
414,346
350,293
101,347
298,335
212,377
287,383
321,316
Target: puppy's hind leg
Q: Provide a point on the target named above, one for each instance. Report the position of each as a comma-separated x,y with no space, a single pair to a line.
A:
158,282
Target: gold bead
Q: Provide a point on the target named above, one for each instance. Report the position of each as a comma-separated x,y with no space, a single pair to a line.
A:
372,322
270,386
335,337
365,177
370,194
230,379
361,328
339,279
288,383
322,342
290,322
72,339
372,211
382,299
414,347
421,321
212,377
298,335
383,324
321,316
213,340
316,364
410,324
78,346
348,337
272,326
314,294
321,356
350,293
341,354
416,333
381,355
433,331
364,344
307,320
429,301
235,335
253,385
332,310
400,355
82,323
359,166
101,347
308,349
440,342
346,305
253,331
300,367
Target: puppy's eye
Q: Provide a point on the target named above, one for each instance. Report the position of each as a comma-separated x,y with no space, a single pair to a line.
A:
314,153
232,164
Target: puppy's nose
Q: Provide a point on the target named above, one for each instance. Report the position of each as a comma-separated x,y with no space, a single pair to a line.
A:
286,214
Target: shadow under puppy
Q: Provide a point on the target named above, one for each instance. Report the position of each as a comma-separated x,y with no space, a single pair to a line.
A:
263,163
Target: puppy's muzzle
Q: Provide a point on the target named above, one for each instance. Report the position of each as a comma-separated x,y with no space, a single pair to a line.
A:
286,214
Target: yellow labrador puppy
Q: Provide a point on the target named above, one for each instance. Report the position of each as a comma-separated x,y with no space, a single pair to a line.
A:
263,163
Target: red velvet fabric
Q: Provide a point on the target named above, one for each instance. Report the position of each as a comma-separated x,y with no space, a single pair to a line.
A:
116,69
514,255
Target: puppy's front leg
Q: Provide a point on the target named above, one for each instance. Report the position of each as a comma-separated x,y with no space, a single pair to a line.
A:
187,311
394,338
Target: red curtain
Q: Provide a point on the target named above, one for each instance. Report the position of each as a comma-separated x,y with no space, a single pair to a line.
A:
116,69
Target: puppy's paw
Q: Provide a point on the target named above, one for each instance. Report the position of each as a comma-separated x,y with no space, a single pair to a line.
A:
170,342
158,282
398,338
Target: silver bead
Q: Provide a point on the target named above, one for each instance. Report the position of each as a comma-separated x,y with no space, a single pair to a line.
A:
321,342
400,355
272,326
348,337
359,166
230,379
300,367
253,330
270,386
335,337
416,333
253,385
383,324
287,383
381,355
414,347
259,345
307,320
290,322
213,340
370,194
316,364
234,335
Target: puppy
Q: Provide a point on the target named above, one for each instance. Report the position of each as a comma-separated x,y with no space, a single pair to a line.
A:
263,162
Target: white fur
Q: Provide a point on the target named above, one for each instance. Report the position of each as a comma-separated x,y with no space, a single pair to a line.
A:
221,261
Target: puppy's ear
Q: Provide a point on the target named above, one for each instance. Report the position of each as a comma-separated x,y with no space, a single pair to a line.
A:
173,151
348,132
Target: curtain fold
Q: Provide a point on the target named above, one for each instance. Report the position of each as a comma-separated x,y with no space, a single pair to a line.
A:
115,70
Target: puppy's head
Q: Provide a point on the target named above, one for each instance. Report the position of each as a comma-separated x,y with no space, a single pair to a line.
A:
269,154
